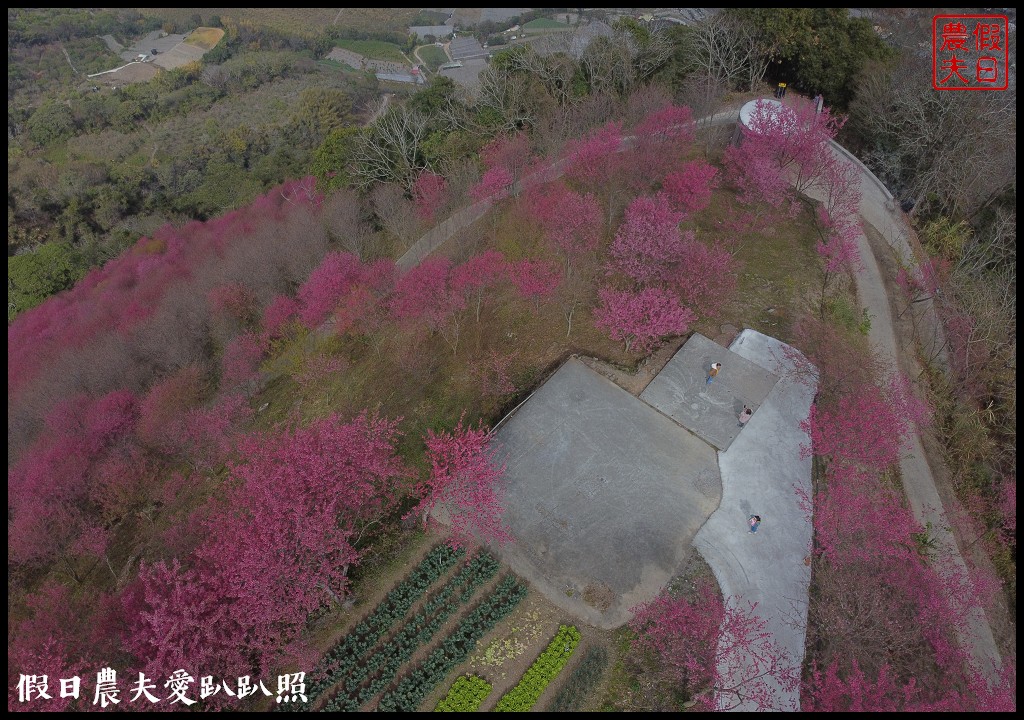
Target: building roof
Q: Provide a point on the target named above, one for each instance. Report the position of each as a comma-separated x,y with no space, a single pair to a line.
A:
435,30
467,47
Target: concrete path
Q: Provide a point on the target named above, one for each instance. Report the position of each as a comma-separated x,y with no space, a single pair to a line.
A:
877,210
763,474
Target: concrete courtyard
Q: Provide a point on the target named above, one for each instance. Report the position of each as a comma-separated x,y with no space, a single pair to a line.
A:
604,494
607,493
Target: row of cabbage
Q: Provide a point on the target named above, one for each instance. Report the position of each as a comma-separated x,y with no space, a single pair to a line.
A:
414,687
343,659
466,695
378,668
544,669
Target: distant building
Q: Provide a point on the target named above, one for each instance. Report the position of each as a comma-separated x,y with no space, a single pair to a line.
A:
467,47
438,31
413,77
499,15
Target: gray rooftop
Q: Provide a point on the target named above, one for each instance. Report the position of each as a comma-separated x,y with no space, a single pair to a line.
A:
465,47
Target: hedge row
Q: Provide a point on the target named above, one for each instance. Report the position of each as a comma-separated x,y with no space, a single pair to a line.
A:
525,694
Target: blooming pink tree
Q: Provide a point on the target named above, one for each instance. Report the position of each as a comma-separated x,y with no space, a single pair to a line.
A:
429,193
300,500
473,278
535,279
277,546
492,185
596,163
241,361
833,690
234,300
207,435
660,141
281,310
465,484
49,638
689,189
331,280
705,276
718,652
571,221
642,318
425,294
795,137
866,429
511,152
756,174
593,161
647,244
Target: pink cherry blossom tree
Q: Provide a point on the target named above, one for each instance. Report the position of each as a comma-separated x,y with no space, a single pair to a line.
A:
473,278
647,244
641,318
719,653
660,141
571,221
493,185
241,361
511,152
596,163
535,279
689,189
276,316
429,194
326,285
705,276
465,484
425,295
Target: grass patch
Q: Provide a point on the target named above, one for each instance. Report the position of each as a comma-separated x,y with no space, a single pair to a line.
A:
544,24
377,49
205,38
433,56
779,279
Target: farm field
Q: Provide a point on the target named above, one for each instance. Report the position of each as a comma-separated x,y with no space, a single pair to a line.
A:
544,24
374,49
205,37
433,56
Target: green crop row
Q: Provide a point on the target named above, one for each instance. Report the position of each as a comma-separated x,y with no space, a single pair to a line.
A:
419,682
466,695
371,677
581,683
525,694
342,659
